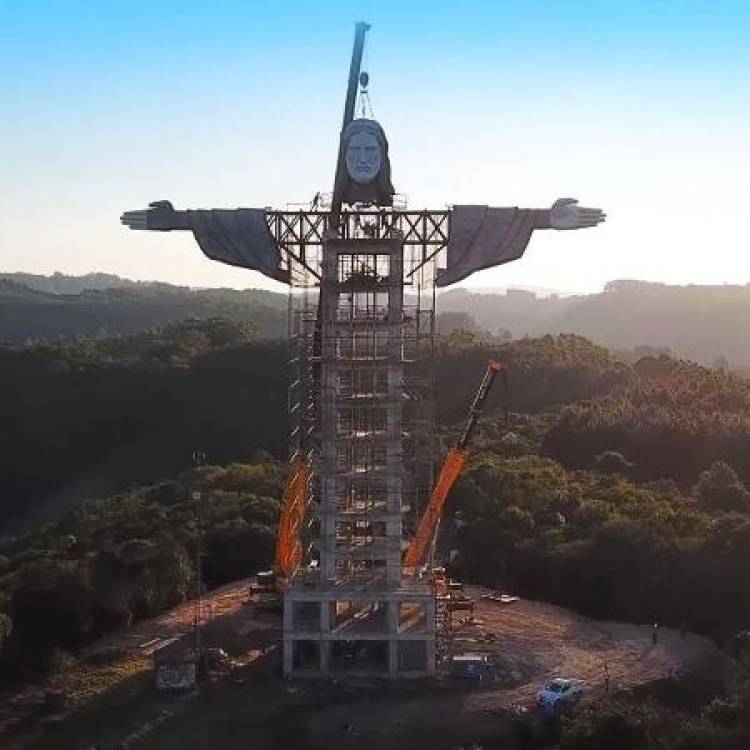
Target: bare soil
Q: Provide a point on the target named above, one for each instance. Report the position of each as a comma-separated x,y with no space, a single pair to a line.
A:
533,642
110,699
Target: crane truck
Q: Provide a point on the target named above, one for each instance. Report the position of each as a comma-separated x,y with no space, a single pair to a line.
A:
294,503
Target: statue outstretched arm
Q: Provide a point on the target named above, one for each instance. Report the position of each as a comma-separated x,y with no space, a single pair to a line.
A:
237,237
482,237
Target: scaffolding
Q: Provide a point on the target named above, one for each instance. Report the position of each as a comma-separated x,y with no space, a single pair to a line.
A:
361,407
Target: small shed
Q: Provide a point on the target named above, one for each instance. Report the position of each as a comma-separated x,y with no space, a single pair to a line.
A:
175,666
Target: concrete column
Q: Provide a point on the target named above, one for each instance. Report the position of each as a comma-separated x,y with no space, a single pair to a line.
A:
430,649
288,615
430,644
325,652
328,546
394,617
288,644
325,616
393,658
393,549
288,656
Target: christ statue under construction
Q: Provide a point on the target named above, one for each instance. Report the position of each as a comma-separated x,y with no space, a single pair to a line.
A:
362,273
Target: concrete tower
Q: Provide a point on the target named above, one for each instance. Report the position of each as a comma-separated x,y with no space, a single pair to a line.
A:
363,418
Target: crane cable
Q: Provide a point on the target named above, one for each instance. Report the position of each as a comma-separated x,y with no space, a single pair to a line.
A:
364,81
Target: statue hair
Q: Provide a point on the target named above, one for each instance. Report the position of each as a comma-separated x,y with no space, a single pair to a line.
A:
380,191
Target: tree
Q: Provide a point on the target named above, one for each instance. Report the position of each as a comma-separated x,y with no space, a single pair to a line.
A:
719,488
613,462
6,628
52,607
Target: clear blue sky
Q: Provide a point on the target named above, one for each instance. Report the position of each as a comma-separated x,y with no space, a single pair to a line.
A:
639,107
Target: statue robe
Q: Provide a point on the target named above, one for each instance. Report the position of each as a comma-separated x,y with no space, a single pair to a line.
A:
482,237
238,237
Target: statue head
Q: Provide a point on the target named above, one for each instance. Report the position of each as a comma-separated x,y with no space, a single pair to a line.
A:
363,157
368,170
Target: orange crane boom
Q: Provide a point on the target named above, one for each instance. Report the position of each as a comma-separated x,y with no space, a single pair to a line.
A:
293,508
454,464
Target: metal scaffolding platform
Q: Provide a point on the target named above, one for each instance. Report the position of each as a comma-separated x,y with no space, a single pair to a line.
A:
302,234
362,414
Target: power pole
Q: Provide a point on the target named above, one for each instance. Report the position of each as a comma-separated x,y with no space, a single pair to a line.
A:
199,458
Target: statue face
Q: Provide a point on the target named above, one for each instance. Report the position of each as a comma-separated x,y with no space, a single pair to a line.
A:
363,158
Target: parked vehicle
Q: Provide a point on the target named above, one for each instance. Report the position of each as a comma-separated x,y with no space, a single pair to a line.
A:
560,694
479,667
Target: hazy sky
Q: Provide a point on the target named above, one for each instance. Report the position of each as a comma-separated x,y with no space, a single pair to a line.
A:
638,106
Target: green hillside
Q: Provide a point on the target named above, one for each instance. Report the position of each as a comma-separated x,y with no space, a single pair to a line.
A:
99,304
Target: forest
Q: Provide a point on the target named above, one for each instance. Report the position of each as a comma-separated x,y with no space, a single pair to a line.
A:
89,415
615,487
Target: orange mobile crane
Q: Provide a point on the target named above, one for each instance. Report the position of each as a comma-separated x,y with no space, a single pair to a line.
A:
293,509
294,504
454,464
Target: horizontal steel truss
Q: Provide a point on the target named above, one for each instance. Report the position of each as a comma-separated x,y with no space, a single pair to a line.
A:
298,231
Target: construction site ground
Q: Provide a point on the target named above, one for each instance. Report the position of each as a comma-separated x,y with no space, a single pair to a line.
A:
110,701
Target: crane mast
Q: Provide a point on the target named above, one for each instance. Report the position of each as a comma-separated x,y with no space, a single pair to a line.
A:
475,410
360,30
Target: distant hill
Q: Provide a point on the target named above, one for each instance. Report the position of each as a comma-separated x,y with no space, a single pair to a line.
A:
51,306
60,283
705,323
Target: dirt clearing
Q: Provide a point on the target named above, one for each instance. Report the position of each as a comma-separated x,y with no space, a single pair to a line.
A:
110,694
532,642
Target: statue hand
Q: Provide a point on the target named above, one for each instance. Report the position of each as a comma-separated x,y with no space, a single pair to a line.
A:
160,216
567,214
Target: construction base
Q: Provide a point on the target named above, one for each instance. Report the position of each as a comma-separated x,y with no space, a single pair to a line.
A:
350,633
